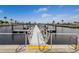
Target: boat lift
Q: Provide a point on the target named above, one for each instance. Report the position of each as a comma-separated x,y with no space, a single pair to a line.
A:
62,38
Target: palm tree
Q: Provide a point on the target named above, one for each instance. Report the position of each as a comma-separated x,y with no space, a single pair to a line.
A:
11,24
11,20
5,19
53,22
62,21
15,22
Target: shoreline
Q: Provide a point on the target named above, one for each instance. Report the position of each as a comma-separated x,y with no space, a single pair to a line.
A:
65,26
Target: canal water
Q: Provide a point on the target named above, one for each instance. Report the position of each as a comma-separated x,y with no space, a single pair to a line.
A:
65,30
20,38
11,38
64,36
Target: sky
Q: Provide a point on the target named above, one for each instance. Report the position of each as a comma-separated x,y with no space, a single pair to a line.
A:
40,13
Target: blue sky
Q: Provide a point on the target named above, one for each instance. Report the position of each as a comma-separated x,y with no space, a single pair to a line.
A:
40,13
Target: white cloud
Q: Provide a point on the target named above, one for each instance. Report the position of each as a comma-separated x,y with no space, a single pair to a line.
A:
42,10
75,17
60,6
45,15
67,18
1,11
77,9
48,18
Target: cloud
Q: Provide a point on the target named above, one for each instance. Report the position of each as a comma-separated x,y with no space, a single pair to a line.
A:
66,17
75,17
42,10
1,11
61,6
77,9
45,15
48,18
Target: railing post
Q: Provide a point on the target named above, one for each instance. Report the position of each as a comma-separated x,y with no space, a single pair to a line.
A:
25,38
12,33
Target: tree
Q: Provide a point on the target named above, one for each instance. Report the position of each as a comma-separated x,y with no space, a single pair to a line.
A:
58,23
53,22
15,22
5,17
62,21
6,22
1,21
29,22
11,19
